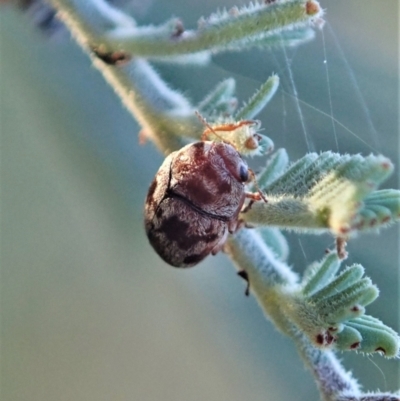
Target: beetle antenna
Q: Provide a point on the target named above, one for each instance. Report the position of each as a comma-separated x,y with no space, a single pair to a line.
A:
205,133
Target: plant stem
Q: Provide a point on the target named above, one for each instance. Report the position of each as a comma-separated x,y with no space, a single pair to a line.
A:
220,31
266,274
165,115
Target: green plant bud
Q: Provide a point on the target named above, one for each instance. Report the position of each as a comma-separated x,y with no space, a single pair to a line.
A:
219,100
376,338
323,274
380,208
343,314
293,173
259,100
348,339
345,279
276,164
358,294
327,192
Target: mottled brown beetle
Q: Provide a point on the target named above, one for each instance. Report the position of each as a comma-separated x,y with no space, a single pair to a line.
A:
195,199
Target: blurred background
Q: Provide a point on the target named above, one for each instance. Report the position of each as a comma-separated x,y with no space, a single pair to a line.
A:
89,312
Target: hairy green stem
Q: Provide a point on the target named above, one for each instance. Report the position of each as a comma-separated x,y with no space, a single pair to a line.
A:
266,276
167,117
164,114
218,32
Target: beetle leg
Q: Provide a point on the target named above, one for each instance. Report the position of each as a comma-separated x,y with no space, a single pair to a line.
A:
143,137
253,196
110,57
233,226
218,247
243,274
341,247
240,224
253,174
248,206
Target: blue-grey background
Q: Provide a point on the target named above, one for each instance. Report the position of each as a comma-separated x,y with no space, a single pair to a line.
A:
88,311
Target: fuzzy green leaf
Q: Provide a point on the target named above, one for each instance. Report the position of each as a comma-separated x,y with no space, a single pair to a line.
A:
329,308
376,337
220,100
348,339
259,100
281,39
276,164
323,192
321,274
380,208
220,31
343,281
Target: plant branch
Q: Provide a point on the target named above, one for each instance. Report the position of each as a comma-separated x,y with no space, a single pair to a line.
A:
266,274
167,118
164,114
217,32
